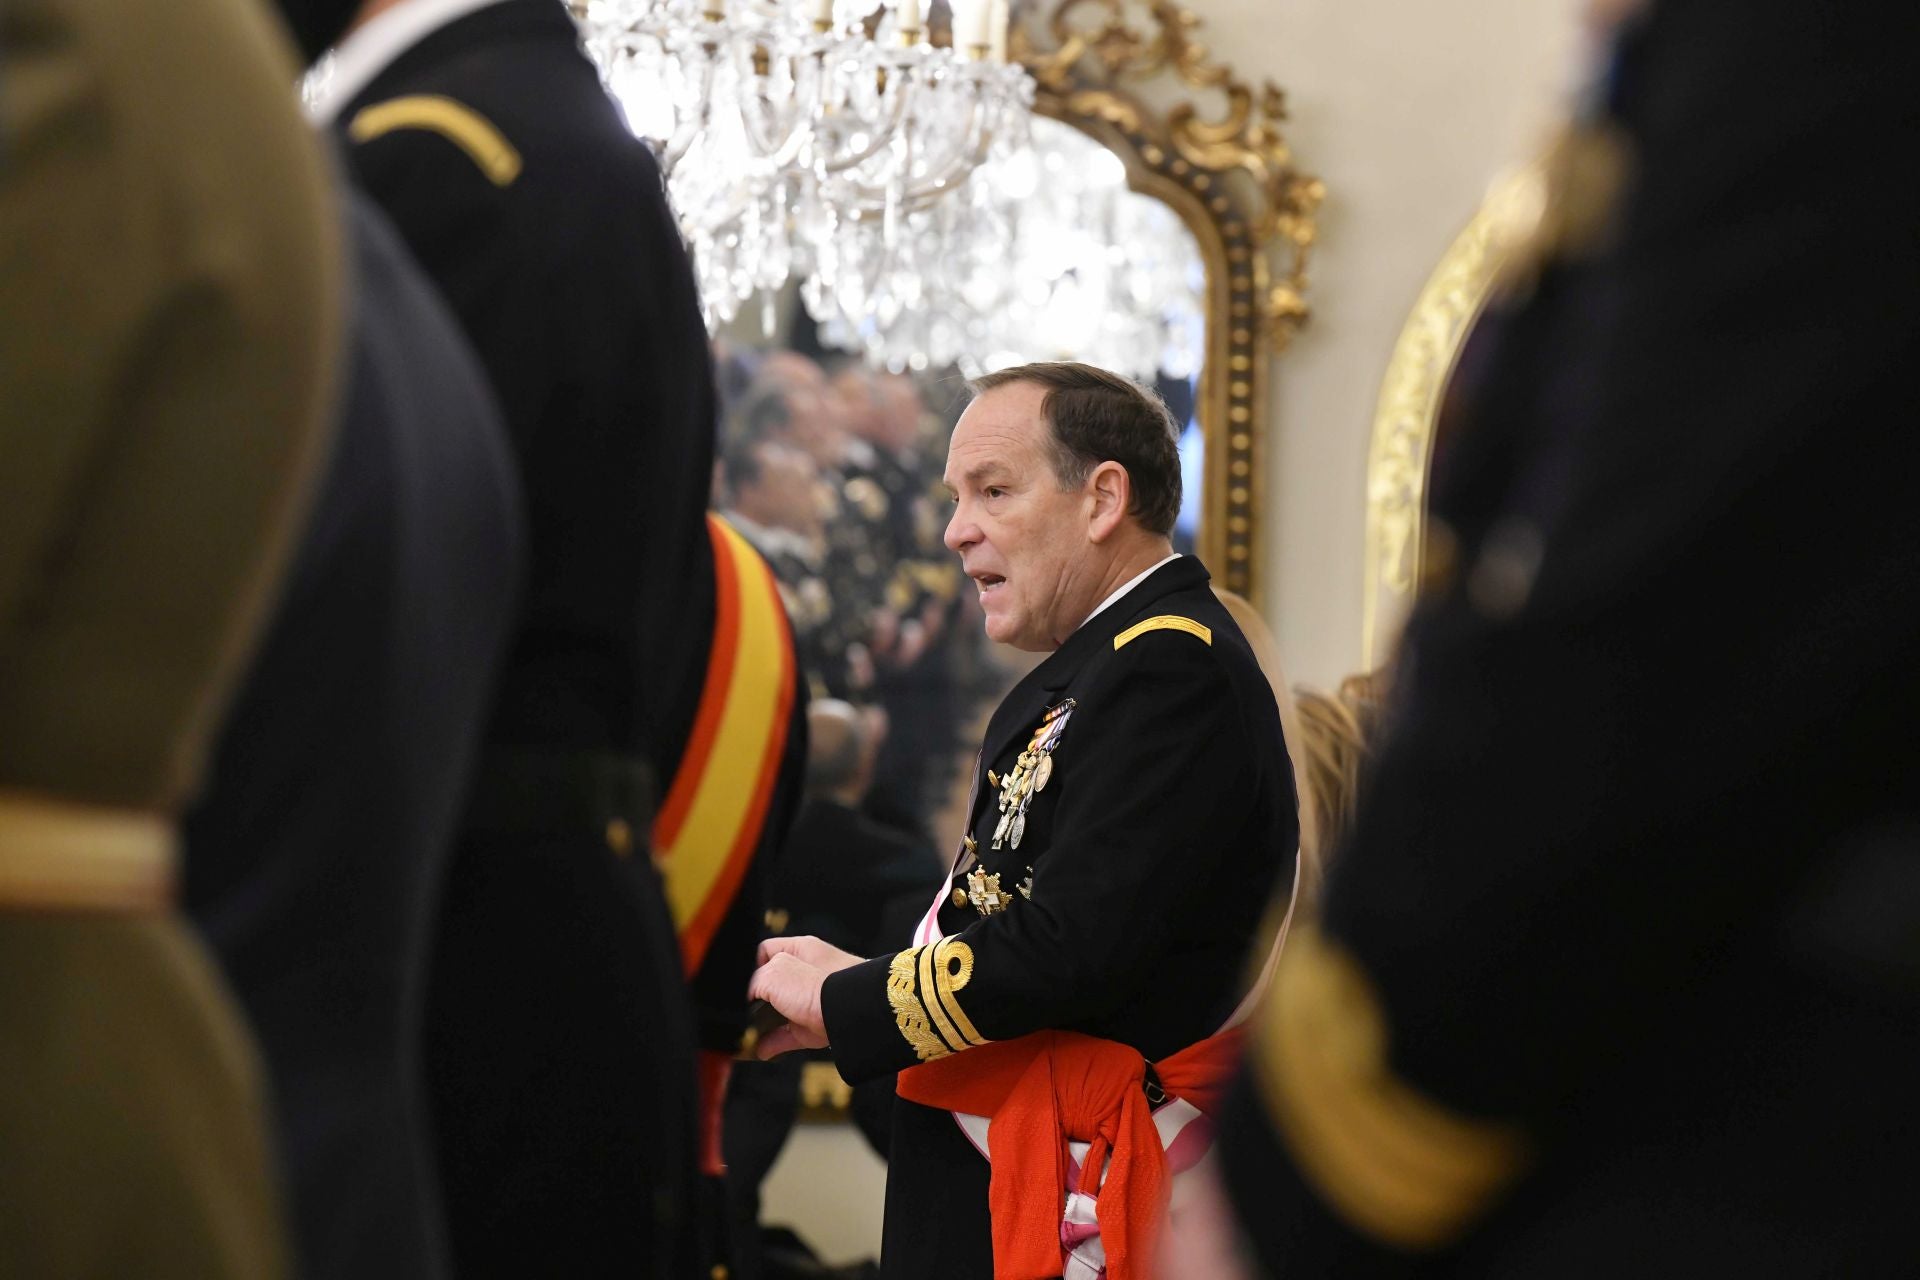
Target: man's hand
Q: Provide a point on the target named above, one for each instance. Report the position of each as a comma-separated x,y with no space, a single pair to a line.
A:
791,974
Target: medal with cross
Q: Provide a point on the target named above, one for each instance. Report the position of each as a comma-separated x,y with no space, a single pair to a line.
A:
985,893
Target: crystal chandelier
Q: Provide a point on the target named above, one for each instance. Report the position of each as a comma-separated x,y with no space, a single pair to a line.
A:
1048,255
812,138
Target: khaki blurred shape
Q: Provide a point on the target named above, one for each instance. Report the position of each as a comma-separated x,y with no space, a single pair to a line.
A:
169,312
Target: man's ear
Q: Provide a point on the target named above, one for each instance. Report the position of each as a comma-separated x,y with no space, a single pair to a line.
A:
1111,492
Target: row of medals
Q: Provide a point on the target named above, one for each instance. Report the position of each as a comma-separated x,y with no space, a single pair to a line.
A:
1029,776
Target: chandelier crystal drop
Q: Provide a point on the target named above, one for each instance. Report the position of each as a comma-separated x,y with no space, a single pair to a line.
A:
1049,255
818,139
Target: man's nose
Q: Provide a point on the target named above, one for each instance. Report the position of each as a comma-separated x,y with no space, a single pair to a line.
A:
961,532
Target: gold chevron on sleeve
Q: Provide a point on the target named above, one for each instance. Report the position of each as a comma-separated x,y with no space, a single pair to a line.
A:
1393,1162
460,124
1165,622
909,1011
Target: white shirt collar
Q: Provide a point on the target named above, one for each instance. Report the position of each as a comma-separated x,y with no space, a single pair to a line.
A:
341,74
1129,585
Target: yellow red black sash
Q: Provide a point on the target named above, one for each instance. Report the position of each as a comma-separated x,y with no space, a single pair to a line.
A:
707,829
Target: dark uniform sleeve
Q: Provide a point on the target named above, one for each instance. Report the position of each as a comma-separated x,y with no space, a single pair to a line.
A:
1157,789
1661,685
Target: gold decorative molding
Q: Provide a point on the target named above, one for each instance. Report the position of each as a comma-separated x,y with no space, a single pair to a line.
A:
1224,166
1401,453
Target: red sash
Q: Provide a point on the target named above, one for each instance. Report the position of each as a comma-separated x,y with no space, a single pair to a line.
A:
1053,1087
707,830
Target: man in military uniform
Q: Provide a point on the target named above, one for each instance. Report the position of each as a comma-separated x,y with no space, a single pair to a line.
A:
1618,973
315,857
559,1046
1133,809
803,412
169,336
773,496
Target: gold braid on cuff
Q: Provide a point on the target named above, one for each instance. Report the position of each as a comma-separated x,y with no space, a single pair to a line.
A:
1396,1164
922,986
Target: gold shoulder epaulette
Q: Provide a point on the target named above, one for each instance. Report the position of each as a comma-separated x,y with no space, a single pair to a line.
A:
1165,622
460,124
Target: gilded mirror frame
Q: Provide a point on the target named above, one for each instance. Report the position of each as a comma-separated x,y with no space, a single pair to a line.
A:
1226,169
1400,453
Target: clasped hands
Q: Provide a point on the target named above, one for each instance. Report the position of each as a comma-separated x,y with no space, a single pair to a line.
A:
791,975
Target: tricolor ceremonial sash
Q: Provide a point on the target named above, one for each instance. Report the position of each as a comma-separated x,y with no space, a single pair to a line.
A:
711,822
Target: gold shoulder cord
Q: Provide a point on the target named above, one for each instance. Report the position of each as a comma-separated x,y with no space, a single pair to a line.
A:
460,124
1165,622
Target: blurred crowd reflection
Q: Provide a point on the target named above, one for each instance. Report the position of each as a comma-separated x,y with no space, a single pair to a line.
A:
833,473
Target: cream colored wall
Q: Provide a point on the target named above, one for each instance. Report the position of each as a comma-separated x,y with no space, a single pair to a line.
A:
1407,109
830,1187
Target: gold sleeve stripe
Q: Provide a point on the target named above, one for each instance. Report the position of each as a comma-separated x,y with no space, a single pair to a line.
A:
909,1014
461,125
945,968
932,1003
1394,1163
1165,622
950,978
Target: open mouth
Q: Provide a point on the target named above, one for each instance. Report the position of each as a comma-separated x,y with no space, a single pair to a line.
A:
988,583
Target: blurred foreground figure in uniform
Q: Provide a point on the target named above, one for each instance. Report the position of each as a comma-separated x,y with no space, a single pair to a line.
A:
170,314
1133,808
648,704
1619,972
315,858
854,884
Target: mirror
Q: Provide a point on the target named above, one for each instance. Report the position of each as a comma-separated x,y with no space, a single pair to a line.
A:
1409,423
1216,157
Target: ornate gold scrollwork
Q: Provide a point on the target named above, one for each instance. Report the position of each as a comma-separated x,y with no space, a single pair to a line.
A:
1231,177
1411,393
